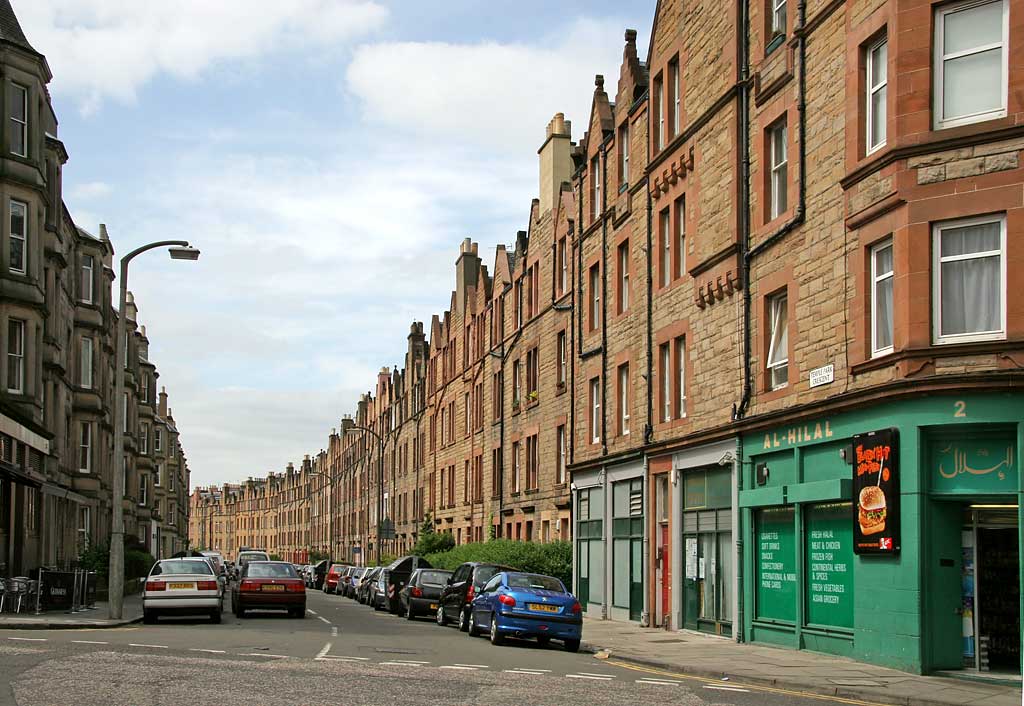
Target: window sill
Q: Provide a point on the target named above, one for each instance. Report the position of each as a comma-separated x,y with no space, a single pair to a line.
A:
994,346
774,43
532,403
532,491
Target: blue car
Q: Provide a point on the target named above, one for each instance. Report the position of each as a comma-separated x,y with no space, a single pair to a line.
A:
515,604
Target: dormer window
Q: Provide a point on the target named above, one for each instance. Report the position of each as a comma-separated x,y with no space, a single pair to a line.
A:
19,120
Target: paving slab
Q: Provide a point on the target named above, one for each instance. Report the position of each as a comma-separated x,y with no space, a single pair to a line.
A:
93,619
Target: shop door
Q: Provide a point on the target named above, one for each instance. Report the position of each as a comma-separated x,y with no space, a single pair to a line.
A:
666,574
943,596
998,594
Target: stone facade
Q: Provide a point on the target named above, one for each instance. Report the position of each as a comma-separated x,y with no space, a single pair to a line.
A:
56,385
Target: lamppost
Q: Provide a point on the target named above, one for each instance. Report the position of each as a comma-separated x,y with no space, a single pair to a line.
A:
380,482
179,250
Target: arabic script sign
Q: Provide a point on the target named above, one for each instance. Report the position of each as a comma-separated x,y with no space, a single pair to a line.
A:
979,464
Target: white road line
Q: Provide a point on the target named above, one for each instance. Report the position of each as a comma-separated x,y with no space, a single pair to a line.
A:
522,671
334,631
89,642
325,650
329,658
531,669
401,664
409,661
155,647
311,612
728,688
459,667
478,666
212,652
323,619
587,676
596,674
657,682
262,654
28,639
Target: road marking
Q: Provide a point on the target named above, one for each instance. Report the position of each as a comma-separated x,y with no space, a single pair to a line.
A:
409,661
588,676
531,669
262,654
89,642
597,674
659,682
522,671
324,651
28,639
323,619
478,666
334,631
329,658
727,688
402,664
459,667
311,612
155,647
750,687
212,652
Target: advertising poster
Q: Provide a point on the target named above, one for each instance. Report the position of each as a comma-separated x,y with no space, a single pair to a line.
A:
876,492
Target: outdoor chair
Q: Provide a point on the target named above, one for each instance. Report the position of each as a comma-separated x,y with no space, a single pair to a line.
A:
17,589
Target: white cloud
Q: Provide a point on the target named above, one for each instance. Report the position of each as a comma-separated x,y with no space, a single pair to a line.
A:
499,95
90,191
101,49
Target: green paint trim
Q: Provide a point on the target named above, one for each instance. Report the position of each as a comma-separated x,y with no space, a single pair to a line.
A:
760,497
820,491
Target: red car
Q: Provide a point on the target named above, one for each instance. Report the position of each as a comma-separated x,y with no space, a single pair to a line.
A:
332,578
269,585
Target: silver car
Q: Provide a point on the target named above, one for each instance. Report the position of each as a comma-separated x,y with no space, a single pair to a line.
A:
186,586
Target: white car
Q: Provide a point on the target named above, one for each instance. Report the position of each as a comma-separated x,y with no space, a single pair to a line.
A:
186,586
246,556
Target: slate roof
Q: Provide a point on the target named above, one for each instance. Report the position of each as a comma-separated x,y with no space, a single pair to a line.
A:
10,29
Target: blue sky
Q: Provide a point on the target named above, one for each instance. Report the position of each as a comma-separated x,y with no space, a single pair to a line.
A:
328,157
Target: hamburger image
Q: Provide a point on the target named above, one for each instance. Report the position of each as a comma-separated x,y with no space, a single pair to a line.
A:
871,510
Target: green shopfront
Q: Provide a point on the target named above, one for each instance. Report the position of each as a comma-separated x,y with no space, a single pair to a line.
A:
889,534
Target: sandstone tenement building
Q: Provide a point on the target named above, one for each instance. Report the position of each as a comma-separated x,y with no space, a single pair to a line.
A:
773,270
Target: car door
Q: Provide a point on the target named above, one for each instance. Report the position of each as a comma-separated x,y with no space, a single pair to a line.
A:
483,607
455,592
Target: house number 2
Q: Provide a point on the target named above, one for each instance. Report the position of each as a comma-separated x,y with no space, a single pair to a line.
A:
961,408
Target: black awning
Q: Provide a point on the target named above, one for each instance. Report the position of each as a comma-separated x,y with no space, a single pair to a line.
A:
18,475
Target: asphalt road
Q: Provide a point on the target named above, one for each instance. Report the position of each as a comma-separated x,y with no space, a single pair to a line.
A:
341,653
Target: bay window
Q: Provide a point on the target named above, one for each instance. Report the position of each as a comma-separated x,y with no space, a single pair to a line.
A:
970,71
969,280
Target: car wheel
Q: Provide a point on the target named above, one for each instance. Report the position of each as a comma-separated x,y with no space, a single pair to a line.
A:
464,620
572,645
543,640
148,617
496,638
441,618
472,630
215,616
409,614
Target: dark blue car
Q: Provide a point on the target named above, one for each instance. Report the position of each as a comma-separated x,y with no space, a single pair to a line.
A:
515,604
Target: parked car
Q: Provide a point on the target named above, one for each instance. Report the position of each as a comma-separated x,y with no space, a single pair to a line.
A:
332,578
244,557
319,572
379,591
422,594
366,584
527,605
269,585
398,573
352,580
186,586
465,583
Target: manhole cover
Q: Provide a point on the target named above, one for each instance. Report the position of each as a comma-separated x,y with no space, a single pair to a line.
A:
388,651
667,642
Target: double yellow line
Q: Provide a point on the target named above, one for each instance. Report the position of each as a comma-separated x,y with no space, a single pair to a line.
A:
741,685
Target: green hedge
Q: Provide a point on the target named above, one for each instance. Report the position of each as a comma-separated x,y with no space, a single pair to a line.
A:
550,558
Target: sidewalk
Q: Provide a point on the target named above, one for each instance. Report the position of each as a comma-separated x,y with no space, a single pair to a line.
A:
60,620
716,658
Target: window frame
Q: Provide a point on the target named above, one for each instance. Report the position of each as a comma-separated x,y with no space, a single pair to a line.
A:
85,447
562,345
624,399
23,236
779,9
623,143
680,235
86,296
674,100
659,119
665,362
595,410
774,306
561,447
939,59
22,125
595,184
85,362
870,91
778,186
876,279
665,238
16,355
937,337
624,268
680,378
595,296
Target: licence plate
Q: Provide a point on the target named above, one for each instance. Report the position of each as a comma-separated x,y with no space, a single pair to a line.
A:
181,586
433,606
541,608
271,587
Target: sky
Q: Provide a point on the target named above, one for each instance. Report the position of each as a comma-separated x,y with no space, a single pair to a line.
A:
327,157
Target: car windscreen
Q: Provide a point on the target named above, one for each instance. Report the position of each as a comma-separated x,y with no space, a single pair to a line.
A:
546,583
270,571
182,567
255,556
435,578
484,574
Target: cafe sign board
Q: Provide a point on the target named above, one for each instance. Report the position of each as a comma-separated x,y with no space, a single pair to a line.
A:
876,492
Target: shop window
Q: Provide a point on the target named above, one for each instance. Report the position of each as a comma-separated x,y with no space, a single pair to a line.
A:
590,545
876,88
970,69
969,277
881,298
828,578
778,337
627,546
775,580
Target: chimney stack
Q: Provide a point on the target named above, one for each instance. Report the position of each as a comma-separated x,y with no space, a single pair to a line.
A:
555,161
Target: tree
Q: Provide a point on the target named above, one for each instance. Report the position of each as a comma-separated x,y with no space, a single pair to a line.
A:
429,541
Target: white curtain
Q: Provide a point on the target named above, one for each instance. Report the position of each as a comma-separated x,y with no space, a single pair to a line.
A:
971,287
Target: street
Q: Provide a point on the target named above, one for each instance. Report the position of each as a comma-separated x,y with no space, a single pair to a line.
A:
342,653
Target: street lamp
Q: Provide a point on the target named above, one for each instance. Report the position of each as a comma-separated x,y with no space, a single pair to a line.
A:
179,250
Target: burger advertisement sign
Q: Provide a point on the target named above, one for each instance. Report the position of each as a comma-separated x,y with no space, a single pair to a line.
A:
876,489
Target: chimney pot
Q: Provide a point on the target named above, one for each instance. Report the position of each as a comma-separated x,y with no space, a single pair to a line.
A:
631,35
599,81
